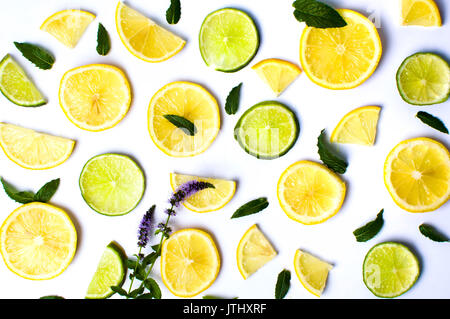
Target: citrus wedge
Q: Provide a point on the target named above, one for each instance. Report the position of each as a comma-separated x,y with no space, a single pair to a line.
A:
417,174
423,13
190,262
209,199
341,58
38,241
311,271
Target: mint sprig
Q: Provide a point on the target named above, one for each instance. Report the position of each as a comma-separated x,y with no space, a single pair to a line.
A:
173,13
37,55
432,233
369,230
317,14
44,194
432,121
328,157
233,98
183,123
103,41
252,207
283,284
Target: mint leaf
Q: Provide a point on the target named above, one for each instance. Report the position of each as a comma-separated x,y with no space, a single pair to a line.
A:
283,284
432,121
103,41
317,14
47,191
37,55
14,194
153,287
173,14
252,207
369,230
432,233
187,126
233,98
119,290
331,160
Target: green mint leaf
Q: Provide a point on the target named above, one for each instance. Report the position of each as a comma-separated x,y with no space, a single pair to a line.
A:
331,160
153,287
51,297
317,14
369,230
432,121
432,233
47,191
173,14
14,194
233,98
252,207
131,263
283,284
156,248
103,41
187,126
119,290
150,259
145,296
136,292
37,55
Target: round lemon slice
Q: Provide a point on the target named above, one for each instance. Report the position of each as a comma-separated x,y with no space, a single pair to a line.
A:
311,271
423,13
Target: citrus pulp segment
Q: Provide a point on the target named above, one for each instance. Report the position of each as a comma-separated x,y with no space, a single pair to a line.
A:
311,271
420,13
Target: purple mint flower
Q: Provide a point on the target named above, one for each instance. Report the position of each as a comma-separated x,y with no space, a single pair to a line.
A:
145,228
185,191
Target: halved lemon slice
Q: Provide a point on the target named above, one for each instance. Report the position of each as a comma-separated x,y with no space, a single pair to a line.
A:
95,97
417,174
67,26
311,271
144,38
209,199
357,127
423,13
34,150
38,241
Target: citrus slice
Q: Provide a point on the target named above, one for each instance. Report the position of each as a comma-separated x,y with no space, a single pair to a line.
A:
67,26
16,86
209,199
192,102
311,271
111,271
424,79
390,269
277,74
267,130
33,150
310,193
95,97
253,252
190,262
417,174
420,12
357,127
112,184
144,38
228,40
341,58
38,241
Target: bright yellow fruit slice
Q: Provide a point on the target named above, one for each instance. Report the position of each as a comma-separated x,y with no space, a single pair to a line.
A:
95,97
311,271
417,174
341,58
34,150
144,38
192,102
253,252
421,13
209,199
190,262
68,26
310,193
38,241
357,127
277,74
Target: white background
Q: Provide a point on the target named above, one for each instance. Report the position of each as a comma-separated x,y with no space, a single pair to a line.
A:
317,108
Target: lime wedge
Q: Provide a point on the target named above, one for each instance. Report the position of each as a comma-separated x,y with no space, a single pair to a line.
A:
390,269
228,40
424,79
16,86
112,184
110,272
267,130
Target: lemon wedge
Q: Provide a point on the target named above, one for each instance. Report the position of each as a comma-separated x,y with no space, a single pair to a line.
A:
423,13
311,271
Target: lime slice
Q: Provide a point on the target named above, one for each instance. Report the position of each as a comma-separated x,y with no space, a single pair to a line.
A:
267,130
228,40
390,269
112,184
424,79
16,86
110,272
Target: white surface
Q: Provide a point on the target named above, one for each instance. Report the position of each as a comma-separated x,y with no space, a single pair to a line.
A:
317,108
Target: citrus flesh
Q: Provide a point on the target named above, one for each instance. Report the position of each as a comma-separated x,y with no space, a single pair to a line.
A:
423,13
311,271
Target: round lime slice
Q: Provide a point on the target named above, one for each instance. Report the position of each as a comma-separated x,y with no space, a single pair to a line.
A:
267,130
110,271
228,40
424,79
390,269
16,86
112,184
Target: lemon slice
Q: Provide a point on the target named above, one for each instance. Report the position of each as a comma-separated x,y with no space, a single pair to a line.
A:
144,38
67,26
311,271
34,150
423,13
209,199
417,174
310,193
253,252
192,102
95,97
357,127
38,241
341,58
190,262
277,74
